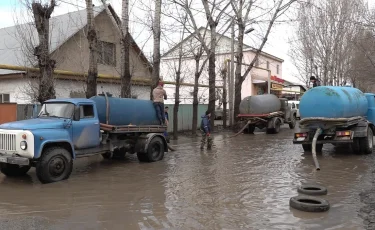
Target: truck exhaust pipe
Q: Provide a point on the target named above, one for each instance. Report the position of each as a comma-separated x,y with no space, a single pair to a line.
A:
317,133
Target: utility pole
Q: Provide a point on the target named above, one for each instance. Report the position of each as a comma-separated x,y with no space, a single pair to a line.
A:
231,78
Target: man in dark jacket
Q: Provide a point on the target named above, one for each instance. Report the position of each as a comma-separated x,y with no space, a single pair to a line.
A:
206,130
315,81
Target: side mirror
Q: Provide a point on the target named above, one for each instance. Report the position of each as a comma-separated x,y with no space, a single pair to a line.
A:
77,113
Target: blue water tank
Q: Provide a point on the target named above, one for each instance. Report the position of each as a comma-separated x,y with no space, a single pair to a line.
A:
126,111
333,102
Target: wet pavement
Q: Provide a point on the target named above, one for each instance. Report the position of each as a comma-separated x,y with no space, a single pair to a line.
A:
242,183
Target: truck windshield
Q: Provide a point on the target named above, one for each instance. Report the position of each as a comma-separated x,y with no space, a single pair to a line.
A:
59,110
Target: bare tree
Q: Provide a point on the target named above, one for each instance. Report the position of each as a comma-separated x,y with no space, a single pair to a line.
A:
242,9
42,14
93,58
125,49
156,53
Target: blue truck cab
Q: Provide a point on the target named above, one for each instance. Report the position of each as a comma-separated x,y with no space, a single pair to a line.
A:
66,129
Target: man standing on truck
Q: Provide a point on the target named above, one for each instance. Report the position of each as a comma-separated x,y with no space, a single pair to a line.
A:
315,81
159,95
206,130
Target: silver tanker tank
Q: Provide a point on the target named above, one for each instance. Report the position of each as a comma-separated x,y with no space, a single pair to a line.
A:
260,104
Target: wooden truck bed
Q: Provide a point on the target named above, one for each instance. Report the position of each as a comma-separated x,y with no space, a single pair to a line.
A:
133,128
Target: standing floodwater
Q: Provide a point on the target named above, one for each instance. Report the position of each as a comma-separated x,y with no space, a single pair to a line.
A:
244,182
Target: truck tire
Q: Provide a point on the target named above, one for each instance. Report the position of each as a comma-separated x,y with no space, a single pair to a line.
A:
155,151
250,129
56,164
292,123
308,147
276,129
11,170
366,143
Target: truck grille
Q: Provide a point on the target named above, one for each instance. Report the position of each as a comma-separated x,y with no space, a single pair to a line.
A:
7,142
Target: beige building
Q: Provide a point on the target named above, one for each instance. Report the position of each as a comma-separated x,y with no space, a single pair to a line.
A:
69,47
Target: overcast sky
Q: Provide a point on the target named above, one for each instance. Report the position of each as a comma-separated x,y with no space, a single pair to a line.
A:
277,44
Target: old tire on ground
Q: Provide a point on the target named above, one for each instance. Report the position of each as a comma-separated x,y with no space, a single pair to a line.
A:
309,204
309,189
11,170
155,151
366,143
293,121
55,164
308,147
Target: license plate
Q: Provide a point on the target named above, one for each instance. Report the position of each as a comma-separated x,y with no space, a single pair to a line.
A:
300,138
3,159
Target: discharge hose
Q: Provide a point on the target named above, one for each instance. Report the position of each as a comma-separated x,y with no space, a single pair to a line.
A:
317,133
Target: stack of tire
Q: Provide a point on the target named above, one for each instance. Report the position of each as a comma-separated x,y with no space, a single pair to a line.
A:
308,202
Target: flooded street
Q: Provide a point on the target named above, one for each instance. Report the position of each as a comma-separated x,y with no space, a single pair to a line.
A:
243,183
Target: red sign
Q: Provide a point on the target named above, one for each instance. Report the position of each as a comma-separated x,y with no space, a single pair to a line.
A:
274,78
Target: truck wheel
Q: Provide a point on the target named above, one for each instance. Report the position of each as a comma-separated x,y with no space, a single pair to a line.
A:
11,170
250,129
276,129
155,151
56,164
106,155
292,123
366,143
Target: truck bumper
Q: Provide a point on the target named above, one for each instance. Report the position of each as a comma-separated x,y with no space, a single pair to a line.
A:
323,141
14,160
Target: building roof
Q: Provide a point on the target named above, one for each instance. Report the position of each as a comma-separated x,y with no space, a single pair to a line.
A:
15,41
245,46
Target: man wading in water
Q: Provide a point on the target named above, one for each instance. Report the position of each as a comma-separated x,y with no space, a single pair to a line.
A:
206,130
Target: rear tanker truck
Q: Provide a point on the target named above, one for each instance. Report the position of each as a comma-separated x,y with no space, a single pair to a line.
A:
66,129
265,111
336,115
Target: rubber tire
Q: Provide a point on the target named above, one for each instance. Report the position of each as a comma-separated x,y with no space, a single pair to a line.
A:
12,170
316,189
275,130
149,156
42,171
292,123
366,143
249,130
319,205
308,147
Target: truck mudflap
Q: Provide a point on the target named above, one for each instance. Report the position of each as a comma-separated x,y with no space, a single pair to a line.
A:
14,160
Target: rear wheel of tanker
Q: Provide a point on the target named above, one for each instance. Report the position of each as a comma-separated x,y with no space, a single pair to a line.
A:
249,130
366,143
292,123
276,128
11,170
155,151
55,164
107,155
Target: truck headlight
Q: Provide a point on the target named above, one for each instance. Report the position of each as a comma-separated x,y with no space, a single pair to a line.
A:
23,145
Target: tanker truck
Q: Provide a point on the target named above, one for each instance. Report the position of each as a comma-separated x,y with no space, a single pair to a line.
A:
66,129
336,115
265,111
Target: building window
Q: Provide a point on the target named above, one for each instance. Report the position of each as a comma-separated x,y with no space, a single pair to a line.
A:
4,98
107,53
268,65
277,69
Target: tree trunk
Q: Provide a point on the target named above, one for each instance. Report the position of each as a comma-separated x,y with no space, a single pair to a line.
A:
176,102
238,77
125,50
91,81
195,99
212,73
42,14
225,97
156,55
